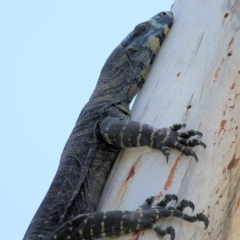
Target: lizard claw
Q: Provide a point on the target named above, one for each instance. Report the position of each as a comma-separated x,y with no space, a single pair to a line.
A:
166,151
185,203
203,218
195,156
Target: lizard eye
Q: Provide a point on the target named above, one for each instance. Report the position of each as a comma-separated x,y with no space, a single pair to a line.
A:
143,28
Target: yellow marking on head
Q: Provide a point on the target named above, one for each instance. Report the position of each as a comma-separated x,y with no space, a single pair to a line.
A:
91,232
85,221
55,236
146,71
166,29
154,44
68,237
103,234
80,232
70,229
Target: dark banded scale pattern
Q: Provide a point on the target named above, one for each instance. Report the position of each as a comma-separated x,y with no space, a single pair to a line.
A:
117,223
102,129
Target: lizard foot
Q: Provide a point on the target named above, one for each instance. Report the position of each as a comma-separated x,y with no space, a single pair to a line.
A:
179,140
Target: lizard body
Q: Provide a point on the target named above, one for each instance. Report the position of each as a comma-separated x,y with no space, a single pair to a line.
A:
102,129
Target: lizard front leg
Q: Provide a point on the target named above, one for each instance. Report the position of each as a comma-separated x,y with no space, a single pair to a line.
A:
122,132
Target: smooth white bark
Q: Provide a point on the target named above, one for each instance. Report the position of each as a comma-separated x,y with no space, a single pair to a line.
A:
195,79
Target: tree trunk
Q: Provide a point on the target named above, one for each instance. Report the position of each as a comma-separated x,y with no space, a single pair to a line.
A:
195,79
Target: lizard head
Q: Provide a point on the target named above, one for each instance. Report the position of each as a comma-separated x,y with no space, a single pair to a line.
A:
142,45
126,69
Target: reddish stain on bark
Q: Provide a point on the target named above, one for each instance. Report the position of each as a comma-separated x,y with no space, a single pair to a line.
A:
238,72
230,43
217,72
233,163
159,196
136,235
169,181
237,95
224,170
233,86
225,15
238,204
131,173
222,125
217,191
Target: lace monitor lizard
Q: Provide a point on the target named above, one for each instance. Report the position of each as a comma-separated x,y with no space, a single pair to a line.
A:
102,129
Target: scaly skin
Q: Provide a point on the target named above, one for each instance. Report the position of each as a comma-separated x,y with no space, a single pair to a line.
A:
102,129
116,223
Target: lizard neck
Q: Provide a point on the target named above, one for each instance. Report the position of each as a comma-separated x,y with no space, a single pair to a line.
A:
115,81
